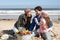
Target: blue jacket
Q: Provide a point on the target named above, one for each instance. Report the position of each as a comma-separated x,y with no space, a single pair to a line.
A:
33,24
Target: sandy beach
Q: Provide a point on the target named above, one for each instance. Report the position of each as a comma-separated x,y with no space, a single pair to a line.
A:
9,24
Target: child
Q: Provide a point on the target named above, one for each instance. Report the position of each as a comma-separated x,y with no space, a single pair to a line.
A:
44,26
48,21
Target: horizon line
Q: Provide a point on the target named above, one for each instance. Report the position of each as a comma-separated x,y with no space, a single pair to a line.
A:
30,8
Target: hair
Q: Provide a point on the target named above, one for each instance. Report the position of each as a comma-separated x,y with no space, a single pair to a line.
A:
47,20
38,8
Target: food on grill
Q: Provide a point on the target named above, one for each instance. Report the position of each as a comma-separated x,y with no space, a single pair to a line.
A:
25,32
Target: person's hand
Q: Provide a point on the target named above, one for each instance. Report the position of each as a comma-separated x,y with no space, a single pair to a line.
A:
17,32
36,20
49,29
45,30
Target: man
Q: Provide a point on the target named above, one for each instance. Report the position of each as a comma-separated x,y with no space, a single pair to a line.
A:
23,22
38,11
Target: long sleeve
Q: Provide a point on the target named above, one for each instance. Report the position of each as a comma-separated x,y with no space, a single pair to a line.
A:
18,22
32,25
43,23
15,30
36,21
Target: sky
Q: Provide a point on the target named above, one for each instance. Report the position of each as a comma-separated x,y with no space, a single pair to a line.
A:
29,3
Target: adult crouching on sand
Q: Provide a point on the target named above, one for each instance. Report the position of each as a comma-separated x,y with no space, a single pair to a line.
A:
23,21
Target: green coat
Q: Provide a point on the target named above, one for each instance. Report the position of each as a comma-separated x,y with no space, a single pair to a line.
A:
23,21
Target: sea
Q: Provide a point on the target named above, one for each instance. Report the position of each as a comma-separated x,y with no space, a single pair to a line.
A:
14,14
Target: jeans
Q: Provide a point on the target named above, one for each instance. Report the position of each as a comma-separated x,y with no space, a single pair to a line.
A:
36,33
46,36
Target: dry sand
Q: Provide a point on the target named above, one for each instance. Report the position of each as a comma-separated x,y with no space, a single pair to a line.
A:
6,24
9,24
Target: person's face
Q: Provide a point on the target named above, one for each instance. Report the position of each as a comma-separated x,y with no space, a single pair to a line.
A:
44,15
28,12
37,12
